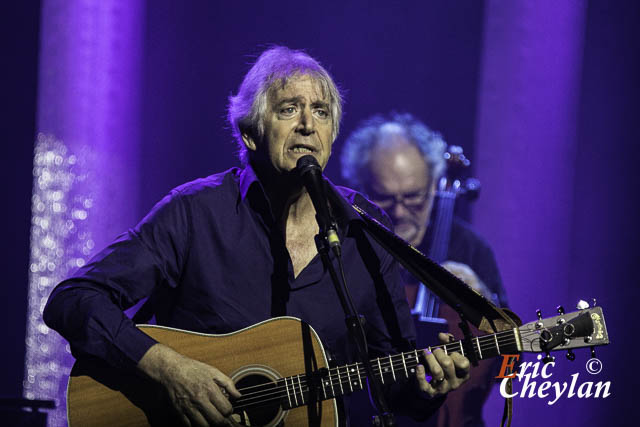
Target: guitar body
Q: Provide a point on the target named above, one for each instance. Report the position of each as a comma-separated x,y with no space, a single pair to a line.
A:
262,353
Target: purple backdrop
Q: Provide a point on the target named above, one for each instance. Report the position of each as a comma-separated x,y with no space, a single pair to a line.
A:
541,96
86,183
526,144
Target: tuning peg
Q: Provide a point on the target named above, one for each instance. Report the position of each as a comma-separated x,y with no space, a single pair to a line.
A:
472,188
571,355
539,323
582,304
548,358
593,300
560,309
593,352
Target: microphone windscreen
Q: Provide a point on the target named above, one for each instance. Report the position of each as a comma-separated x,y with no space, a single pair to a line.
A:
306,163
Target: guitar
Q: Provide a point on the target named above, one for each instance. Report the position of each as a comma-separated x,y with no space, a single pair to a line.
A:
281,369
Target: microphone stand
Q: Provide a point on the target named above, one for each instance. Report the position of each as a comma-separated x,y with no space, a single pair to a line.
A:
325,240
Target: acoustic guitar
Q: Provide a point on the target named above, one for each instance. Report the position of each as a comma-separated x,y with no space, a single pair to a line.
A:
281,369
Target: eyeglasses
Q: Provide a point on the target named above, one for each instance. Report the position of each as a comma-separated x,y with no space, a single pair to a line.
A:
413,201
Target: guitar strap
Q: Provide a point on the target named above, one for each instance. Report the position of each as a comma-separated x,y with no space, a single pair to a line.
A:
314,404
507,413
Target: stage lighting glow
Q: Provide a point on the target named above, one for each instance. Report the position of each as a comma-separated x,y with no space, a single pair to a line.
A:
60,243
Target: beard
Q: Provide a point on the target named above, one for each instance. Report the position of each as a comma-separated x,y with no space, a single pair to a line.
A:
408,230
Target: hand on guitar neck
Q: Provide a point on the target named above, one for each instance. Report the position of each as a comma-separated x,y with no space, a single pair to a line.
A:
447,371
197,391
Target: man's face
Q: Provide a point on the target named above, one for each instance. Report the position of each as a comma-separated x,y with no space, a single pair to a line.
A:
399,183
297,123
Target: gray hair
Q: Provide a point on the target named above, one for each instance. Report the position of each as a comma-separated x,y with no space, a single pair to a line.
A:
273,67
356,152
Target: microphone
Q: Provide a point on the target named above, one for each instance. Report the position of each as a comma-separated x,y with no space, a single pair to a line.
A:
309,170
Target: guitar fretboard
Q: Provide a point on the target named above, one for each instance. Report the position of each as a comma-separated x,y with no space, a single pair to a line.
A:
302,389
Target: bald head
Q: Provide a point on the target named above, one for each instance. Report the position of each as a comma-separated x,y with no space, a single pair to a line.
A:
399,181
397,161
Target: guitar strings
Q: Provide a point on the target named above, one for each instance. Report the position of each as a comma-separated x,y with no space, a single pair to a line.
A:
275,391
396,359
486,344
301,391
301,388
278,394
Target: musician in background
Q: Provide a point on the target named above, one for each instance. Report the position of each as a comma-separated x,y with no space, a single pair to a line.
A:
397,161
236,248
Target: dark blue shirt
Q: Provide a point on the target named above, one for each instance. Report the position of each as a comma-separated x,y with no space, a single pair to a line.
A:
211,259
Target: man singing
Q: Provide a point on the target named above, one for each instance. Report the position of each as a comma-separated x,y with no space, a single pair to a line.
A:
224,252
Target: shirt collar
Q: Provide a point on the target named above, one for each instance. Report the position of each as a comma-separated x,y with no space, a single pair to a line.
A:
344,212
247,178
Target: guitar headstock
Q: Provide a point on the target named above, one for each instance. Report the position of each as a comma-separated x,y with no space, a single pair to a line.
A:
566,331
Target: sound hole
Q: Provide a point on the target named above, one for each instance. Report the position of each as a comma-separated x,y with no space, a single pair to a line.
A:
268,412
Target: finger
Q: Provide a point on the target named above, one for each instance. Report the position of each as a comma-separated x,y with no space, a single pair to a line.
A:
220,401
432,365
459,371
423,384
176,415
450,264
212,413
461,365
227,383
445,338
184,420
458,267
196,419
446,364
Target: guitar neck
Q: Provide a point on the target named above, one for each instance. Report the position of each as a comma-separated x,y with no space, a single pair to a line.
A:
345,379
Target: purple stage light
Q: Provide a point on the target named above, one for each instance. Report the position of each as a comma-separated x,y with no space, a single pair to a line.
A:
86,184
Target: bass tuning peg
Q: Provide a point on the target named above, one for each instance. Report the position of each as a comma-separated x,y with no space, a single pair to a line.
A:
560,309
582,304
571,355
